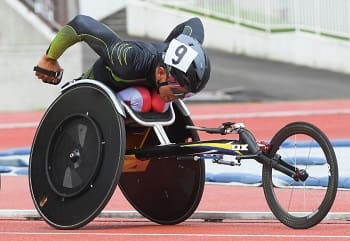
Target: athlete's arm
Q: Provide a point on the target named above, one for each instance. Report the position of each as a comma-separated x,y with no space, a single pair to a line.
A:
82,28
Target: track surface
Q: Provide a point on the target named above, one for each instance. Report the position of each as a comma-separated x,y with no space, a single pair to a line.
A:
216,198
263,119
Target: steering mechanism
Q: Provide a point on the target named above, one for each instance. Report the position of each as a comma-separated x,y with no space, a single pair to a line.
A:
223,129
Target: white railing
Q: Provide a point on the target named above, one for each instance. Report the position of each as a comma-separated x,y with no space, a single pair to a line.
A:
329,17
45,9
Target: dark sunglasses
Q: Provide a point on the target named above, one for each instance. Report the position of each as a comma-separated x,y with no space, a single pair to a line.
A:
178,90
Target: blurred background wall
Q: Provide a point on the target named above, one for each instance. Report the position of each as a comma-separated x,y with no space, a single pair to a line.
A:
312,33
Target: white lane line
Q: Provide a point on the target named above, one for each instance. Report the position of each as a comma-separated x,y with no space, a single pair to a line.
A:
216,116
270,114
18,125
287,236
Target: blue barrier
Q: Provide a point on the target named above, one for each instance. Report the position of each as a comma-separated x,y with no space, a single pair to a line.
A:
16,161
310,181
21,171
5,169
304,160
344,182
15,151
247,178
227,177
335,143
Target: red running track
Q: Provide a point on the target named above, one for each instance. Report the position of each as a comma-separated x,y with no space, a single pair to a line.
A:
263,119
15,195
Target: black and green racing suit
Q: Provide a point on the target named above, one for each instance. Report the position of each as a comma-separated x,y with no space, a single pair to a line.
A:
121,64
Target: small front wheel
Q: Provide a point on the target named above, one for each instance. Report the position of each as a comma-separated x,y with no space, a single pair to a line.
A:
301,204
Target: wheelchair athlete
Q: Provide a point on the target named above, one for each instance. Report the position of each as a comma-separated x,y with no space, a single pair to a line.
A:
146,75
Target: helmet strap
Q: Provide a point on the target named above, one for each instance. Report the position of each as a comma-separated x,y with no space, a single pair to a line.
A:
160,84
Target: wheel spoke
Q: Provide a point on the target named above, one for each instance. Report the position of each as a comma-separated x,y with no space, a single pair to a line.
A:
301,204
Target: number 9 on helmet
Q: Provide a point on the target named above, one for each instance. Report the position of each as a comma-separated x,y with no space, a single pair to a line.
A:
189,63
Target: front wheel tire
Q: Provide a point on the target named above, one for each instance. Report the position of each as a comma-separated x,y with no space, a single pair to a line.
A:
301,204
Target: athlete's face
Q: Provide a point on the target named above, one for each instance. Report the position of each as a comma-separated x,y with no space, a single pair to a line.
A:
178,90
173,90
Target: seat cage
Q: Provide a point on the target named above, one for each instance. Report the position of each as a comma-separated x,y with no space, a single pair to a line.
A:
157,121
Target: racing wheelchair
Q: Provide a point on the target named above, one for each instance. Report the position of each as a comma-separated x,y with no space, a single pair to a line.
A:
89,141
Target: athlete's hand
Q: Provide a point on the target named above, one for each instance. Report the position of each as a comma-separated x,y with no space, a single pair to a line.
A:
49,70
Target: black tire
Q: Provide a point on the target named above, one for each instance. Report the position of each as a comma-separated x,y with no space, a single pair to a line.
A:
77,157
170,190
297,204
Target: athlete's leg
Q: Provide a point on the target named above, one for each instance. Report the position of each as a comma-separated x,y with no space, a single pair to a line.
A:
158,105
138,98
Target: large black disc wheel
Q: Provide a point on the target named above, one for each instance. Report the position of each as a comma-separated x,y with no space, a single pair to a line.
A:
301,204
170,190
77,157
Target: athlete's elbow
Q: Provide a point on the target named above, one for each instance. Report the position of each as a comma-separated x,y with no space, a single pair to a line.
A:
80,22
